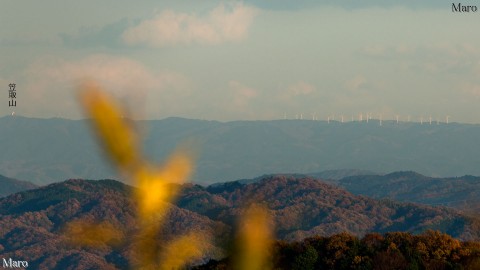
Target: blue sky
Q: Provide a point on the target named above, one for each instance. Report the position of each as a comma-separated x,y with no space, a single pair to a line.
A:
247,60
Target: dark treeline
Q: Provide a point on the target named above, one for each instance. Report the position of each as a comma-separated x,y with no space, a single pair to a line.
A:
395,250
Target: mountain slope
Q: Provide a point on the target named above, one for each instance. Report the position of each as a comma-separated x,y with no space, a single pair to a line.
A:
458,192
304,206
51,150
32,225
9,186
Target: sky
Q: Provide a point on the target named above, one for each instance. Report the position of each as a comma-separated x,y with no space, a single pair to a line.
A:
246,60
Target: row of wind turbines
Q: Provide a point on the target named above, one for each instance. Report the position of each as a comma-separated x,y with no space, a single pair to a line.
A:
368,117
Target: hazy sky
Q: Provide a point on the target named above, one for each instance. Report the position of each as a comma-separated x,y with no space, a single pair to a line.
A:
244,60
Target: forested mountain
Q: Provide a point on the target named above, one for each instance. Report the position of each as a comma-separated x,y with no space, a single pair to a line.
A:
302,206
51,150
9,186
340,173
458,192
396,250
32,223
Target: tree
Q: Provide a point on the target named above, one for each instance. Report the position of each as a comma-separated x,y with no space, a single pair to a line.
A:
306,260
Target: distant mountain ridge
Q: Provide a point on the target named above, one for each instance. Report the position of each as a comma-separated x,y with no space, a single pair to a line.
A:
303,206
9,186
458,192
32,222
52,150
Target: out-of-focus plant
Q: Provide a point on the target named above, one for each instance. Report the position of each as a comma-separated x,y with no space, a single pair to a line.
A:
254,240
93,234
153,196
154,190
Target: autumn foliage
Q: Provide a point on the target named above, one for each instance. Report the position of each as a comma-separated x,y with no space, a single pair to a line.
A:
395,250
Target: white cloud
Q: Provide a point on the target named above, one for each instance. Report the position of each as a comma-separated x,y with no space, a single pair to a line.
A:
297,97
470,90
356,83
51,85
222,24
242,94
300,88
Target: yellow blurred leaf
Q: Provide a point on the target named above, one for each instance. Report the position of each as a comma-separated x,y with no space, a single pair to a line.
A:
255,238
115,134
92,234
153,193
155,187
182,250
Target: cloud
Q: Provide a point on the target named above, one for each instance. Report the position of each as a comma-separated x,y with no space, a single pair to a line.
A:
300,88
108,36
349,5
437,57
356,83
242,94
225,23
51,85
374,50
470,90
297,97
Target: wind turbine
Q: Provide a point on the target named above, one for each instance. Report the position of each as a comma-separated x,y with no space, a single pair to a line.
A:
397,118
380,119
446,118
430,119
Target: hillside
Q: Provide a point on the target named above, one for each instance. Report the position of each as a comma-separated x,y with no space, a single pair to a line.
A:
458,192
52,150
9,186
395,250
32,225
303,206
340,173
32,222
